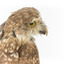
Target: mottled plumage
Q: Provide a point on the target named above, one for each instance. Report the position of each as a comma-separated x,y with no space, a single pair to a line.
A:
17,44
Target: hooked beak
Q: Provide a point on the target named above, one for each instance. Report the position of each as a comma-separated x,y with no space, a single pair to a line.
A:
44,31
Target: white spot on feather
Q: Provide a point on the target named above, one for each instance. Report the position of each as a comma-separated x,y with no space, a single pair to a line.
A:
15,55
4,40
5,62
9,59
5,50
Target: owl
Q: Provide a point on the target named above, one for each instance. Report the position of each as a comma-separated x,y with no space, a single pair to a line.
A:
17,44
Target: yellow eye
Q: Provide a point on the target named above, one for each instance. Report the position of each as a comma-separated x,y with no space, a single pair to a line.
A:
31,24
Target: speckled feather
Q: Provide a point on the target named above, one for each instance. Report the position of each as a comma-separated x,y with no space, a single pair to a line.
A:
17,45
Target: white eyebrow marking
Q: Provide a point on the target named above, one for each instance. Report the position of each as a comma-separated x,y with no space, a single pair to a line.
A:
36,19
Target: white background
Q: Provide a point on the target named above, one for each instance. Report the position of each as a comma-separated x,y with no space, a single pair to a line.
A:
51,47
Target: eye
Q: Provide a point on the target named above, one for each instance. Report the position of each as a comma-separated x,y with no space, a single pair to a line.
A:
31,24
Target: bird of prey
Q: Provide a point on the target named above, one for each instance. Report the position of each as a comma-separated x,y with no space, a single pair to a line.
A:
17,44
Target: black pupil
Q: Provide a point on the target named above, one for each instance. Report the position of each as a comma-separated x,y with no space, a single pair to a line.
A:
31,23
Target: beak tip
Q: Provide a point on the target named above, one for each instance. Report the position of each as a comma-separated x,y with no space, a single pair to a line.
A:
46,34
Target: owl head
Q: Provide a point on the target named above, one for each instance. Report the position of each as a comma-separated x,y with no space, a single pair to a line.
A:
26,21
